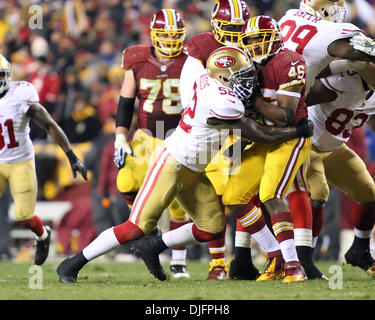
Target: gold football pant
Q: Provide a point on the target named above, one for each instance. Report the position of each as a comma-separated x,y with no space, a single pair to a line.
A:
22,182
131,176
267,169
167,179
342,169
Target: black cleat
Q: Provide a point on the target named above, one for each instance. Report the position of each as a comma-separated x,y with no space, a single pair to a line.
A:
359,257
179,271
66,273
42,248
305,256
240,269
148,248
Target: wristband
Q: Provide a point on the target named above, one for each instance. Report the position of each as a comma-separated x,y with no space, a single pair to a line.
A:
125,111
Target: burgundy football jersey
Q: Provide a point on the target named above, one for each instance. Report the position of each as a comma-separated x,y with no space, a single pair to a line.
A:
201,45
157,88
285,69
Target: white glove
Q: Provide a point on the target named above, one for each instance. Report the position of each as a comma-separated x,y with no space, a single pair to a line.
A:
122,148
241,91
362,43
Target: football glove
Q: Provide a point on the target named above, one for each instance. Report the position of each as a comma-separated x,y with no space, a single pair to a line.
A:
76,165
305,128
362,43
241,91
122,148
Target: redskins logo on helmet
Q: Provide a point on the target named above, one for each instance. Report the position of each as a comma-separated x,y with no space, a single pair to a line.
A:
261,38
5,74
167,32
331,10
227,19
226,61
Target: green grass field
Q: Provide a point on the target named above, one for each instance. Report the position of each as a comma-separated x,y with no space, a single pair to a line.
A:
119,281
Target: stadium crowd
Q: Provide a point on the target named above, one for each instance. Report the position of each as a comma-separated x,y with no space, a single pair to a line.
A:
73,57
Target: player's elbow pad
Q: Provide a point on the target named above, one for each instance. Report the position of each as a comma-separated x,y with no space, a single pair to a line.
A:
125,111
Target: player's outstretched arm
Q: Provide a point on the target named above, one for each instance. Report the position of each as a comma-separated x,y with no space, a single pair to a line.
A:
342,48
253,131
43,119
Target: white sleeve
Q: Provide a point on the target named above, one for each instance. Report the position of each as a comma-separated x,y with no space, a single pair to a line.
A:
28,94
190,72
227,109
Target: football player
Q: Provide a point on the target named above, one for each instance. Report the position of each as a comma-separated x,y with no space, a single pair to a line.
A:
351,103
19,102
177,170
270,169
227,19
152,75
318,33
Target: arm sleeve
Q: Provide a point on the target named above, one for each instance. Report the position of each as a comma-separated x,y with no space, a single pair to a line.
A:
190,71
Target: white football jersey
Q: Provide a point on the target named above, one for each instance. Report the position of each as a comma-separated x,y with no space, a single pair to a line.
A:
310,37
194,143
15,142
334,121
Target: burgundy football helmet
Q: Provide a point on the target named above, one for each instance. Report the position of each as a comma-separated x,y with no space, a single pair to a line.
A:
227,19
167,32
261,38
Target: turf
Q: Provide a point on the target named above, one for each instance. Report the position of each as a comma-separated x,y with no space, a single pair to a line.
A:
119,281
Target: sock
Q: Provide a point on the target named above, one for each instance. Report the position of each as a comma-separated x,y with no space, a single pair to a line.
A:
251,220
300,208
283,229
127,231
178,253
105,242
35,224
318,219
217,248
182,236
363,219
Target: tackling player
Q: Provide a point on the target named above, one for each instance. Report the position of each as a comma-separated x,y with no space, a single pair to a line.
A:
152,75
177,170
317,32
19,102
269,169
227,19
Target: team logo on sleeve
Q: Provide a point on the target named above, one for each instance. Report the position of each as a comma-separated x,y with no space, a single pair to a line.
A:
225,62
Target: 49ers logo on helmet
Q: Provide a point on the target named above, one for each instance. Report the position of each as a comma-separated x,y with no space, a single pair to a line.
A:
225,62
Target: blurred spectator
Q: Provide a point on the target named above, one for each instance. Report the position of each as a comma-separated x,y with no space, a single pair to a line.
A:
84,124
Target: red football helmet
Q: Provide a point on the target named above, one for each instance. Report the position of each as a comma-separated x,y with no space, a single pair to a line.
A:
227,20
167,32
261,38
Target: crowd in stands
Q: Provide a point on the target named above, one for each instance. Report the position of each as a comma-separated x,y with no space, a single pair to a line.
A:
71,51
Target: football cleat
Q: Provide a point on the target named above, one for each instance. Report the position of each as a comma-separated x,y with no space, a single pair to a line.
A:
243,269
218,270
42,248
273,271
359,257
146,248
66,272
294,272
179,271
